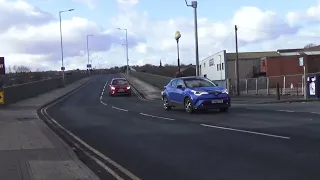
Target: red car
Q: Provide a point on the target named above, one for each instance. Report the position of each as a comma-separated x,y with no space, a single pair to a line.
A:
119,86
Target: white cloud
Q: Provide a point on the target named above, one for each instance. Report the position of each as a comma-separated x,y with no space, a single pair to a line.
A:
31,35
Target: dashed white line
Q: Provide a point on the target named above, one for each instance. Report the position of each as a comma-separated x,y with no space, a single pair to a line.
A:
159,117
285,111
120,109
103,103
244,131
316,113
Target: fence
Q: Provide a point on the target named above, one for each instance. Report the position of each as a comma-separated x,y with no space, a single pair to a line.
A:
289,85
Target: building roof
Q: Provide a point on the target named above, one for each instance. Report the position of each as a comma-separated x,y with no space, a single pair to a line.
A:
252,55
289,50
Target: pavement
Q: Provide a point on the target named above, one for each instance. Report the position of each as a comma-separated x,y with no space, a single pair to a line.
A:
30,150
138,139
144,89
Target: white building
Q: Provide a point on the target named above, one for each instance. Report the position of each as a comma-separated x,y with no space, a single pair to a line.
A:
214,68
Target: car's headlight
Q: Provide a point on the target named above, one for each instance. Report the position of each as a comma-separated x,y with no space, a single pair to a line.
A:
128,87
113,88
225,91
198,93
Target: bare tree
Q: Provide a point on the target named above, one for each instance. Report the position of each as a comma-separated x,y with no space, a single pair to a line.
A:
310,45
21,69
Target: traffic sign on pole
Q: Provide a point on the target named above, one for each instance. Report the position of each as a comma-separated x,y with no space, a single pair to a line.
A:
2,67
301,63
1,97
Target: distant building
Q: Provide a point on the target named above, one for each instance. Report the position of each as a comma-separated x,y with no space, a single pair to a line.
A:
220,67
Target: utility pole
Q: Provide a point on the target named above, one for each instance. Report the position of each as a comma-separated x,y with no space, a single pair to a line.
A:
237,61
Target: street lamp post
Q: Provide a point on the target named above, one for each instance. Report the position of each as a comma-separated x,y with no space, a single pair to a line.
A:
88,52
61,45
127,53
177,36
194,5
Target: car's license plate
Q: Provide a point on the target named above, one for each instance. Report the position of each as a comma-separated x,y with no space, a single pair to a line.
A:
217,101
120,90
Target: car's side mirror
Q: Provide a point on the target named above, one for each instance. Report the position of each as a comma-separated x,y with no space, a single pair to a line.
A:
180,87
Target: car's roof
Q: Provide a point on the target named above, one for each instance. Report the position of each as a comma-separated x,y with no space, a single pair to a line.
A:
190,77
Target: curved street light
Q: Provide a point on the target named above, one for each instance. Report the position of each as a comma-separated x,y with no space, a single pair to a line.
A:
177,36
61,45
127,53
194,5
88,65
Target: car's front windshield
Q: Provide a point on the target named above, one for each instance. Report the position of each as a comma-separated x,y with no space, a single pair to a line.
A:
197,82
119,82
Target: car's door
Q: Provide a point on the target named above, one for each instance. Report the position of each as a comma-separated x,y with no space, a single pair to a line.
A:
170,88
179,91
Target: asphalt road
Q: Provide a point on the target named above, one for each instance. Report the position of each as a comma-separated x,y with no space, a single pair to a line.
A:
156,144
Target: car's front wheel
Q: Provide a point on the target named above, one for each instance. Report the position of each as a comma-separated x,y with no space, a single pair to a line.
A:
166,104
188,105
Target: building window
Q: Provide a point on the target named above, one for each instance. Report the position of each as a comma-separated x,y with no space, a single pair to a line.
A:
263,62
218,67
204,65
211,62
222,66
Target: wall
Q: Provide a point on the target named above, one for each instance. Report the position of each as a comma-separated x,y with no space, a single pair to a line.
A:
214,66
23,91
246,68
155,80
278,67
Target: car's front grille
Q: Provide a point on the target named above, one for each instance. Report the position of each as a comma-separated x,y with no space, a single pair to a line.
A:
215,93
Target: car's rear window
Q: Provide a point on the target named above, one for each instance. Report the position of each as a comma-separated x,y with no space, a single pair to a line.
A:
119,82
197,82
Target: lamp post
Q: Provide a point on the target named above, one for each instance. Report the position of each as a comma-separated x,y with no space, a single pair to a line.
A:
194,5
127,53
61,45
88,53
177,36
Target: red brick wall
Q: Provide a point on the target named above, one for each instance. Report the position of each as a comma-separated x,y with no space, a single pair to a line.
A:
277,67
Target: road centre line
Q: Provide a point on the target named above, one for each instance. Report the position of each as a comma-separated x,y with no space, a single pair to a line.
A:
285,111
245,131
159,117
120,109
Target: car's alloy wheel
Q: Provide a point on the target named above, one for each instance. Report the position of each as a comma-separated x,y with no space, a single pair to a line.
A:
166,103
188,105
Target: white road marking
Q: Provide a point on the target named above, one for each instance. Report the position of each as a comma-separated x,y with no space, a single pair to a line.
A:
285,111
114,174
119,109
244,131
159,117
102,93
103,103
315,113
118,166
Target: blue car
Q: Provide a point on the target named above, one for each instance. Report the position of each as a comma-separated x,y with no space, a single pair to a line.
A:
195,93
